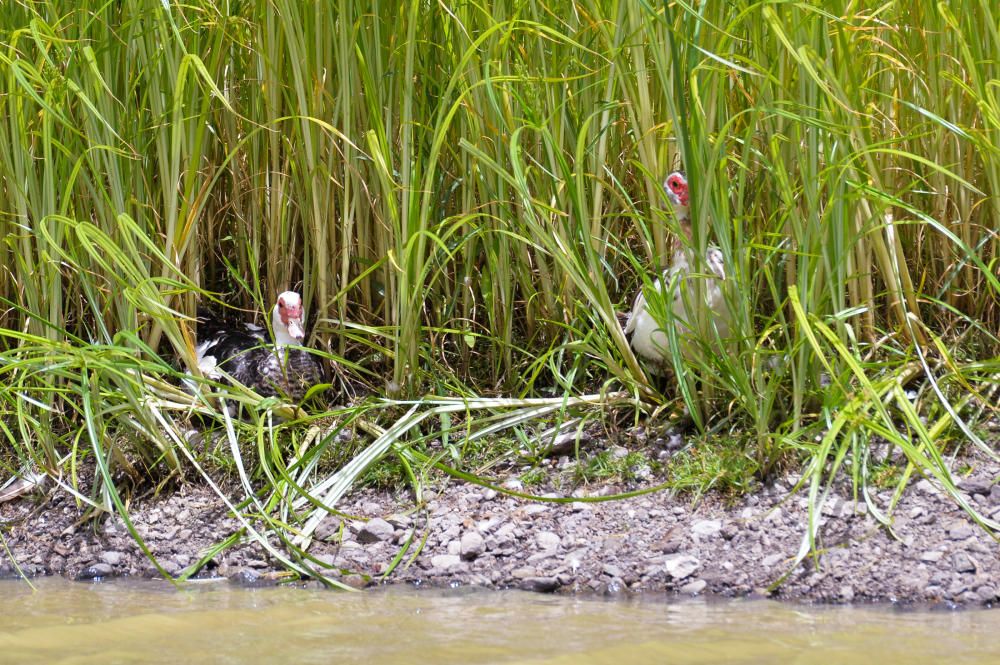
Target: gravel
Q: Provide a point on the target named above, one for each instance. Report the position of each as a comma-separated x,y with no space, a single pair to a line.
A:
465,535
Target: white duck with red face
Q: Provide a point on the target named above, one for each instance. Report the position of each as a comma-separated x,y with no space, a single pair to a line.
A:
649,339
244,353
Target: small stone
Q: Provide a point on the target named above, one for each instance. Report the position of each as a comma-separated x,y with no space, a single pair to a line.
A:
375,530
547,540
471,545
543,584
846,593
925,486
619,452
693,588
514,484
960,531
446,561
987,593
94,572
611,570
975,485
963,563
112,558
706,528
772,560
931,556
680,566
995,495
831,508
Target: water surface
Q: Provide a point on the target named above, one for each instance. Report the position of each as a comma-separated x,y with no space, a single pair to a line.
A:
151,622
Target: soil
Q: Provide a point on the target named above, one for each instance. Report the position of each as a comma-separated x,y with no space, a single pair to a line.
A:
659,542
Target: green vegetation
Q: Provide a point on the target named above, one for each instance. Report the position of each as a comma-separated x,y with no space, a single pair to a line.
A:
466,194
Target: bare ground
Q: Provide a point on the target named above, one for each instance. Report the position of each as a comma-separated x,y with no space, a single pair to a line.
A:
654,543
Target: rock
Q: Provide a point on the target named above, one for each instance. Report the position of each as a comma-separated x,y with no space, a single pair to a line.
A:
931,556
772,560
925,486
831,508
544,584
669,545
960,531
611,570
547,540
706,528
963,563
112,558
846,593
680,566
975,485
987,593
94,572
995,495
472,545
619,452
694,587
376,530
446,561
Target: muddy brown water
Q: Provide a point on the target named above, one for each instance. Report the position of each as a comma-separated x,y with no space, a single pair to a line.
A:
149,622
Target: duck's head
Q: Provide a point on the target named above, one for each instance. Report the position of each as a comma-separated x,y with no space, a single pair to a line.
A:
676,186
287,317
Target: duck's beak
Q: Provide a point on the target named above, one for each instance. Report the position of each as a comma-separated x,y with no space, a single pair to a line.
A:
295,329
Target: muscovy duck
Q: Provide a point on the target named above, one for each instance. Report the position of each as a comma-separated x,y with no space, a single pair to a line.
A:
245,354
649,339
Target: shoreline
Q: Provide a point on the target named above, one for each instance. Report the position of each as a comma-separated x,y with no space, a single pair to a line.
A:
650,544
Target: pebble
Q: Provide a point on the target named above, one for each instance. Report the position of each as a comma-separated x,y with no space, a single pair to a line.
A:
995,495
94,572
112,558
694,587
846,593
963,563
547,540
960,531
375,530
706,528
446,561
772,560
544,584
680,566
975,485
931,556
471,546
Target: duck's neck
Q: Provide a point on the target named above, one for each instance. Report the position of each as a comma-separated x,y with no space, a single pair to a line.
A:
281,336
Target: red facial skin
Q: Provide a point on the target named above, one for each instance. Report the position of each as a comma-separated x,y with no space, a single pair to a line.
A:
289,312
678,187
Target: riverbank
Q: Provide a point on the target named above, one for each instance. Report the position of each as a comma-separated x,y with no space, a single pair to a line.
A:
653,543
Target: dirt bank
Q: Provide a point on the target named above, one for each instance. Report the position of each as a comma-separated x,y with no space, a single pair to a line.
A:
652,543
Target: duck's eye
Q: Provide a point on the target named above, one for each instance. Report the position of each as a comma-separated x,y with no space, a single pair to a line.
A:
674,185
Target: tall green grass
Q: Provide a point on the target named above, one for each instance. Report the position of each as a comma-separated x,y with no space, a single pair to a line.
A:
467,195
